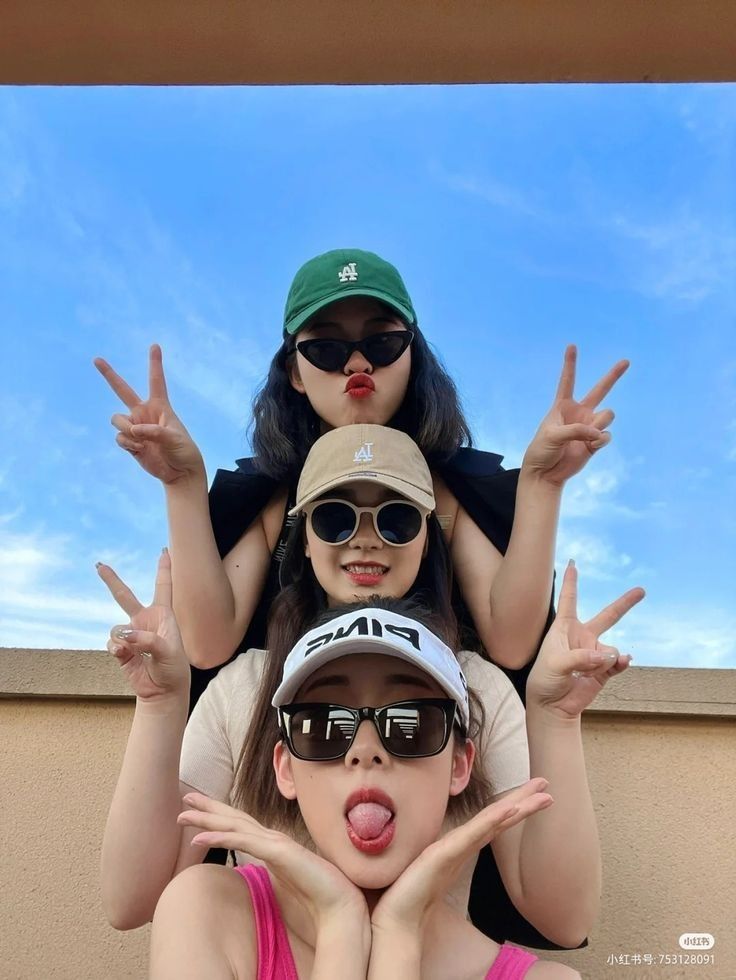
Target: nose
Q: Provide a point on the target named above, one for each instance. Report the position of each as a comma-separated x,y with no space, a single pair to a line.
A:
367,751
357,364
365,536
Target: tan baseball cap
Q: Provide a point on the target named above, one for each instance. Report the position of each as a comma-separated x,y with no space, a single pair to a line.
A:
365,452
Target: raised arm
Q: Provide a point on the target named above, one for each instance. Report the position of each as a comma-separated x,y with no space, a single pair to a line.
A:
508,595
143,846
551,865
214,600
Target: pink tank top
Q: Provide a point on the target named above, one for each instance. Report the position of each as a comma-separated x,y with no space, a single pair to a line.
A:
511,964
275,960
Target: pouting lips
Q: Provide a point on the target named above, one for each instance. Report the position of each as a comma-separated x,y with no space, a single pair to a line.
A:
360,381
359,386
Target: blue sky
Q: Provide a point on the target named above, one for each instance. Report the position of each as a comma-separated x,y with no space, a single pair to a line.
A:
521,217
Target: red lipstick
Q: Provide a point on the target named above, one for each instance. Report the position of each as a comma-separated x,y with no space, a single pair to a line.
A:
369,820
364,572
360,386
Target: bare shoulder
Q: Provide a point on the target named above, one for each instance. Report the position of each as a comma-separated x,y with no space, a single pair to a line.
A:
446,506
205,890
548,970
246,564
204,926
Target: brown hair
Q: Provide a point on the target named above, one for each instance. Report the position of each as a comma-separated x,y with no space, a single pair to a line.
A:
255,789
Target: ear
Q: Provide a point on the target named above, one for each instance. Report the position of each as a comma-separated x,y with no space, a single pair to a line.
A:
295,378
462,766
282,768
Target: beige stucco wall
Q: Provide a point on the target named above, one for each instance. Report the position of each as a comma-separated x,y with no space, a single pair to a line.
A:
58,767
661,763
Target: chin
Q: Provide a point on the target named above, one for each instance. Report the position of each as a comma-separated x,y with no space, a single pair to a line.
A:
373,873
367,412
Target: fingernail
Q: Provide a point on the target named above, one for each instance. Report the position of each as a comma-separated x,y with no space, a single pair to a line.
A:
98,564
124,633
603,658
571,563
576,673
116,650
164,551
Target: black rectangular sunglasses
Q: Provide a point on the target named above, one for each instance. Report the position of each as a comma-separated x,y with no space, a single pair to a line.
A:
414,729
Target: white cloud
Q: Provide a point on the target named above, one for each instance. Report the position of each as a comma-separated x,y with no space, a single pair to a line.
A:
493,192
26,557
594,492
595,557
30,634
220,370
669,637
51,597
685,256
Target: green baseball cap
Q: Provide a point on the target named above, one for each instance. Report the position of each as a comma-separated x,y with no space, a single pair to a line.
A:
340,273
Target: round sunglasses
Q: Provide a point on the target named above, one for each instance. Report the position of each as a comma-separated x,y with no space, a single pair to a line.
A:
380,349
336,521
407,729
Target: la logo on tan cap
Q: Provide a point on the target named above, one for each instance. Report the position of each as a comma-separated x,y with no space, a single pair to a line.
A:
364,454
365,451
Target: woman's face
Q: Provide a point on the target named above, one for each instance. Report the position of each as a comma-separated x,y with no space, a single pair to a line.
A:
332,394
365,565
411,794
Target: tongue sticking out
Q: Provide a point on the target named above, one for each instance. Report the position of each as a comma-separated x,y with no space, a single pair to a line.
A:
368,819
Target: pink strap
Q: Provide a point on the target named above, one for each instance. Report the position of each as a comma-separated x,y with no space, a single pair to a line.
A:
511,964
275,960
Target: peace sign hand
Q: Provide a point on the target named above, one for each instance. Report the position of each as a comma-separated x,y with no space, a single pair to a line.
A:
572,431
431,875
149,648
319,885
152,433
573,665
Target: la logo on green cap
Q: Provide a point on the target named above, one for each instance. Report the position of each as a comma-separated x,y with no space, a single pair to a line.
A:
344,272
349,272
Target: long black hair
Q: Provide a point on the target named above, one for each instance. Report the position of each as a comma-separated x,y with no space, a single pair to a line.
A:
285,425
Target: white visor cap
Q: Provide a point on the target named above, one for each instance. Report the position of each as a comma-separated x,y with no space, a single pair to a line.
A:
374,631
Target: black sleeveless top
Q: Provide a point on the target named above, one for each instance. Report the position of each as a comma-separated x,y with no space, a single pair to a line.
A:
488,493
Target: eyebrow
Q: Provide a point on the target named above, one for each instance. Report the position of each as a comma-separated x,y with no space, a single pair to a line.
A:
334,680
341,680
385,318
350,495
410,679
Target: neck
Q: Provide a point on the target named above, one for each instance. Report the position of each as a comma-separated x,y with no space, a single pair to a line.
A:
372,895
